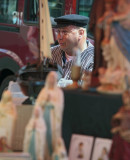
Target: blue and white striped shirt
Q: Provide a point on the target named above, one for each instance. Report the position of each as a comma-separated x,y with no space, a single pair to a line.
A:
87,60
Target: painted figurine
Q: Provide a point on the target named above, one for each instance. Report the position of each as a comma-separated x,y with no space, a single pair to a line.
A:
4,147
8,115
7,105
117,51
121,130
35,132
120,33
52,102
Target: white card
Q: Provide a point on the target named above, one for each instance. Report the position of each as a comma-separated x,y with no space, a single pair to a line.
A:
80,147
101,149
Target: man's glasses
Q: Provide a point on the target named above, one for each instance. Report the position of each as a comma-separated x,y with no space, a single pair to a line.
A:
62,32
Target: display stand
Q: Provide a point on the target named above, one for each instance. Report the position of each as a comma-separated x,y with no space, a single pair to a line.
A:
88,113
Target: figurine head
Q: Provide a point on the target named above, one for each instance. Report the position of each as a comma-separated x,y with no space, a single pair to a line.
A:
110,4
3,141
51,80
6,97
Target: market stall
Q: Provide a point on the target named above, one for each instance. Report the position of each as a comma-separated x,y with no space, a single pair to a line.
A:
88,113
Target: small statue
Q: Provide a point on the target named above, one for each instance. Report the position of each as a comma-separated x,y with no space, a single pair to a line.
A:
120,33
60,151
121,130
52,102
7,105
112,81
3,145
35,132
117,51
8,115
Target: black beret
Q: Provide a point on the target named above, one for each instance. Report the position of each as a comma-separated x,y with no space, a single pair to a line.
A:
71,19
53,23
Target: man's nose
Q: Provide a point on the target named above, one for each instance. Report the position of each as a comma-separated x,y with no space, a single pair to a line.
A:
60,36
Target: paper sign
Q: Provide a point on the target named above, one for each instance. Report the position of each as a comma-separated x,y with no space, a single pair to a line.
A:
81,147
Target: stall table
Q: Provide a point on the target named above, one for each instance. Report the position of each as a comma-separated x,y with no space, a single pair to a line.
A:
88,113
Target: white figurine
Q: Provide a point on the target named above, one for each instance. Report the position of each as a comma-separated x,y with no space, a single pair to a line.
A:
7,105
51,100
8,115
35,132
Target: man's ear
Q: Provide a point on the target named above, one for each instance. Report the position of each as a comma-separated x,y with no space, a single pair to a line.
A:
81,33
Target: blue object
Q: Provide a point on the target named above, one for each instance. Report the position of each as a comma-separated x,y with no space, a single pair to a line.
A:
32,146
122,38
47,116
56,157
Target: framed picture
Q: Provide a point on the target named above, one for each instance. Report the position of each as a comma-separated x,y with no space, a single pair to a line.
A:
80,147
15,156
101,149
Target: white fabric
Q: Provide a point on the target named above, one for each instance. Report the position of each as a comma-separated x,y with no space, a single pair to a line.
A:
64,83
68,58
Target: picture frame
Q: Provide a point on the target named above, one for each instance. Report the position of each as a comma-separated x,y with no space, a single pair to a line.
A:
80,147
101,149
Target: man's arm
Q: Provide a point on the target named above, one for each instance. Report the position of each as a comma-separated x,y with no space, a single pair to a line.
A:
90,58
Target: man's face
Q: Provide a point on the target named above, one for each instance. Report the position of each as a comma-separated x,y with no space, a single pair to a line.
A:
68,37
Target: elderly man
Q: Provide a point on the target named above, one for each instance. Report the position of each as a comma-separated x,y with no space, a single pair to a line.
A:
72,37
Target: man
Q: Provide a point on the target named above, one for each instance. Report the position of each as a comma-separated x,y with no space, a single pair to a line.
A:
72,38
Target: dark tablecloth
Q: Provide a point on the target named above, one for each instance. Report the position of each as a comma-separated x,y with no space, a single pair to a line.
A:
88,113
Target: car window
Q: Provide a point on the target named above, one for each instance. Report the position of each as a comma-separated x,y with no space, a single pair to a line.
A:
8,11
31,11
85,7
56,7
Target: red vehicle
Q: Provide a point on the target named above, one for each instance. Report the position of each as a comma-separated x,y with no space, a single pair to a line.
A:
16,16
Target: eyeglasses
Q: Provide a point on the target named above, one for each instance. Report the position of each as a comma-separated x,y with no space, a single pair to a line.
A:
62,32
